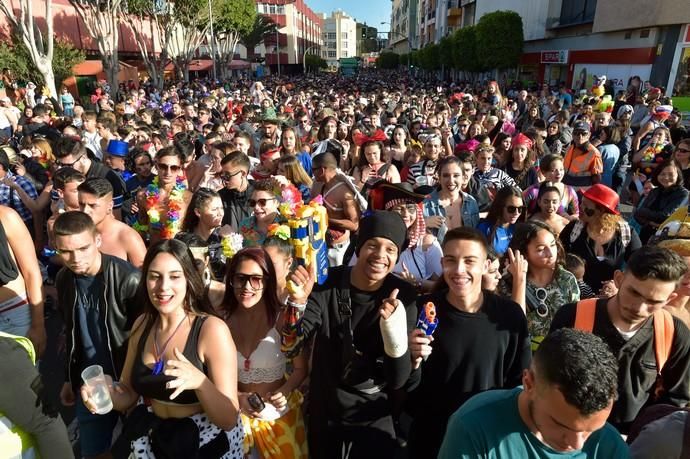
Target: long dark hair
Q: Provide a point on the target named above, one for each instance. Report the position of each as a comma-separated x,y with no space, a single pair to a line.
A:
269,294
200,198
495,213
527,231
195,299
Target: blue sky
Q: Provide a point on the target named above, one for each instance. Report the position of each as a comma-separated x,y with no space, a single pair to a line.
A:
370,11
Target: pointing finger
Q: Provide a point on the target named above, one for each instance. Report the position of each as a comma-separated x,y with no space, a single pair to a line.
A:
394,294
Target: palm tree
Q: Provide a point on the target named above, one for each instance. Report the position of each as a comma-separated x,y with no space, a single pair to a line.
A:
262,27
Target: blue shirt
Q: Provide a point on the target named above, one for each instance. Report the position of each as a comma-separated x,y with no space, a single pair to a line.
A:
469,211
489,426
90,324
502,237
133,183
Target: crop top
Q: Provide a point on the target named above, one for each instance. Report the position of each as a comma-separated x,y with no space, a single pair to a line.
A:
8,268
266,364
151,386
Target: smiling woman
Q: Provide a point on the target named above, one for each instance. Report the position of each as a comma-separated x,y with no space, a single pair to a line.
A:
182,359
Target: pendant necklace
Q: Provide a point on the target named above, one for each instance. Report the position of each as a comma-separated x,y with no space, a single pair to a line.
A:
158,366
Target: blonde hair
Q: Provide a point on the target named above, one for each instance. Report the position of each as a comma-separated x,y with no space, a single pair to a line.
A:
294,171
44,146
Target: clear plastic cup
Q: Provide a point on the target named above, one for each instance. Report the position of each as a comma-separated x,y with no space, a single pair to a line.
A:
97,386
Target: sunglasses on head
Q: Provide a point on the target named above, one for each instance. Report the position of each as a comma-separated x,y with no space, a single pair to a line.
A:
261,202
515,209
240,280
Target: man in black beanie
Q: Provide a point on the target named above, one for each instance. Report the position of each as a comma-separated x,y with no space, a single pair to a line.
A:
361,317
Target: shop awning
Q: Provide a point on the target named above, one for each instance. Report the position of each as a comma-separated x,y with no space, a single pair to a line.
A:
238,64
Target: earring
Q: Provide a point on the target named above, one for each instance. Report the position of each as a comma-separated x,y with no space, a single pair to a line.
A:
207,276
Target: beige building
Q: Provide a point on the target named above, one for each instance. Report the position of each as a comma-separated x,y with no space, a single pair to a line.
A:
339,37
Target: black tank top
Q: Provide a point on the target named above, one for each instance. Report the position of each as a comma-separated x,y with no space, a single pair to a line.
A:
151,386
8,268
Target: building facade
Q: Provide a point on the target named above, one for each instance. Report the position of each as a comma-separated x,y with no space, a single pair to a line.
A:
339,37
404,31
299,32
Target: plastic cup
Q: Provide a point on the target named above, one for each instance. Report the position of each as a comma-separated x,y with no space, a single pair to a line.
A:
97,386
421,180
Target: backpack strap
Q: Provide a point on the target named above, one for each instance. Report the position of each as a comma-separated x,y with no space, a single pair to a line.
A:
585,310
663,337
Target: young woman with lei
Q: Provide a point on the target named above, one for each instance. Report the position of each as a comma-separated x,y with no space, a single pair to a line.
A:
163,203
267,196
269,398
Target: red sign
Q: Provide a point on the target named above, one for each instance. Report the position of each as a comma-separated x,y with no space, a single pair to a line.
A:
554,57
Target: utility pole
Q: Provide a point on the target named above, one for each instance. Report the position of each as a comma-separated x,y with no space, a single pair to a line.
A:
213,40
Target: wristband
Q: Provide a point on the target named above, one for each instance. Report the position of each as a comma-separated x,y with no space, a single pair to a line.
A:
298,306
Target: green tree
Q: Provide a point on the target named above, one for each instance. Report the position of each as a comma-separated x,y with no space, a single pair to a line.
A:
465,50
314,63
445,52
430,57
500,40
231,20
261,28
17,58
387,60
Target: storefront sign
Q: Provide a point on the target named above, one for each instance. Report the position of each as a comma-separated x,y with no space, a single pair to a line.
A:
554,57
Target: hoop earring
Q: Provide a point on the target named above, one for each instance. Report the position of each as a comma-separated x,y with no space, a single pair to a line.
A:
207,276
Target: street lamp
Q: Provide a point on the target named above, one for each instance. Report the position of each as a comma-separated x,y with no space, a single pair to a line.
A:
278,31
304,58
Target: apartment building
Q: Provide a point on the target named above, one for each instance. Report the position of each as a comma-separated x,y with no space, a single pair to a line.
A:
299,30
339,37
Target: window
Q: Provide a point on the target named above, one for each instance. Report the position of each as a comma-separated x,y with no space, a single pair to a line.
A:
281,9
331,45
331,35
343,35
344,44
644,33
577,12
272,9
331,54
628,35
344,53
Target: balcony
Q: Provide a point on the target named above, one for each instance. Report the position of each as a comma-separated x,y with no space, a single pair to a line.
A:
454,12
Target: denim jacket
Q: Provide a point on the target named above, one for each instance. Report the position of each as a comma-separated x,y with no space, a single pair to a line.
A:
469,211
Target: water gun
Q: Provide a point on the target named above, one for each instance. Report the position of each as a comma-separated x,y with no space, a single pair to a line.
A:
427,321
308,224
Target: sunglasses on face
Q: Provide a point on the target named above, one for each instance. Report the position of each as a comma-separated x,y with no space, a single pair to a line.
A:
168,167
515,209
256,282
61,164
261,202
226,177
589,211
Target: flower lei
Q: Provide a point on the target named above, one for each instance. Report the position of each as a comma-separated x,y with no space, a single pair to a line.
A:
279,231
172,216
231,244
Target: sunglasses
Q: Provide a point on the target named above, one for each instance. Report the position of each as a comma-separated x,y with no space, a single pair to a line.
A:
256,282
589,211
261,202
168,167
515,209
61,164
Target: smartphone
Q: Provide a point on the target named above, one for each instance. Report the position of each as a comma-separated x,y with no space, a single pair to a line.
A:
256,402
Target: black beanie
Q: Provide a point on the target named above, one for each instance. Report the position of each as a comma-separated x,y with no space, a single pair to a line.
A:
383,223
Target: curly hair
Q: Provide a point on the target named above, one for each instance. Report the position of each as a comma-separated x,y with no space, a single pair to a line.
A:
581,365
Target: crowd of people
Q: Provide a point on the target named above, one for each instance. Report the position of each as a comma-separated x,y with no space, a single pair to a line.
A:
155,223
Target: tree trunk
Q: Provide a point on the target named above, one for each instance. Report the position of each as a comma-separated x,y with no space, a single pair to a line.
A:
111,68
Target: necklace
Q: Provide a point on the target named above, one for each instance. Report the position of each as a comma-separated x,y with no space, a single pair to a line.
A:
174,206
158,366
